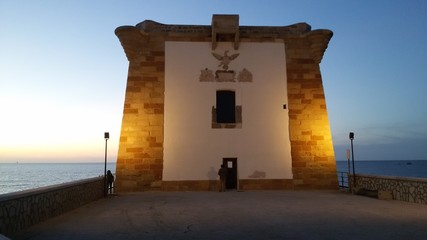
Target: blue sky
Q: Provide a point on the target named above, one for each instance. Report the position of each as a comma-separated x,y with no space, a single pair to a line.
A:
63,71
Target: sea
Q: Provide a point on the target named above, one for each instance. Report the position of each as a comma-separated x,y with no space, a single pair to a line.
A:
393,168
16,177
23,176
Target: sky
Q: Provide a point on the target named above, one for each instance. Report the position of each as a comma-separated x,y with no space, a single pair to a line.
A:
63,71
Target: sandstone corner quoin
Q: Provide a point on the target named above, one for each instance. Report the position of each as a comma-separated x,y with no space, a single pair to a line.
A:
199,96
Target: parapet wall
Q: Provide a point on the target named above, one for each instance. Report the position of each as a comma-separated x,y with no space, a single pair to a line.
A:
20,210
402,189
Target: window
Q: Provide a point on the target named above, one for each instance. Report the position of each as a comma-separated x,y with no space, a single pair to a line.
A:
225,107
226,114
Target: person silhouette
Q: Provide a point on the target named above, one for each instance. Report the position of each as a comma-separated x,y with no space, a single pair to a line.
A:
222,172
110,181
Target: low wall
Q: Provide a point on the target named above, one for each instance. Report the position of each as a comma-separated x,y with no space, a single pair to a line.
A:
20,210
402,189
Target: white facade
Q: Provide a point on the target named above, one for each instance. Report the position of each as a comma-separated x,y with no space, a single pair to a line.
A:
193,150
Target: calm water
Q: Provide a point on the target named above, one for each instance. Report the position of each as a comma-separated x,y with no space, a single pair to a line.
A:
22,176
407,168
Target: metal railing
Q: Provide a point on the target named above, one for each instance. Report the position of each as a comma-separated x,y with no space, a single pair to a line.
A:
343,181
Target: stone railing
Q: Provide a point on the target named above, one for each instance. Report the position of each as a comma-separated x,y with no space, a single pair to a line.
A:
400,188
20,210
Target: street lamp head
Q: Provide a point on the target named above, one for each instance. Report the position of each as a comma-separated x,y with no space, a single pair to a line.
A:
106,135
351,135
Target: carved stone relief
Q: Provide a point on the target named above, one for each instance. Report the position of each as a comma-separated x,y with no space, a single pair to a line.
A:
244,76
206,75
225,75
225,60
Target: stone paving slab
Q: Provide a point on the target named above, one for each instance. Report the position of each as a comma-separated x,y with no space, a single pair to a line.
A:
238,215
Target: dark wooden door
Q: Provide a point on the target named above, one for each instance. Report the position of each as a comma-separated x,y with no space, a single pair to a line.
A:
231,180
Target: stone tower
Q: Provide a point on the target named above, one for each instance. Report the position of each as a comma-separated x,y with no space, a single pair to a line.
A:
248,97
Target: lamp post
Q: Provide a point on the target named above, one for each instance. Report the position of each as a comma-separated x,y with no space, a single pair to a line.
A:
347,154
351,136
106,136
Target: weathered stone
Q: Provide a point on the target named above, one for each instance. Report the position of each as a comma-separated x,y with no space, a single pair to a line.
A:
20,210
400,188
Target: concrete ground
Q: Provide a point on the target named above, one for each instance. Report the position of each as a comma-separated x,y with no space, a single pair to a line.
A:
238,215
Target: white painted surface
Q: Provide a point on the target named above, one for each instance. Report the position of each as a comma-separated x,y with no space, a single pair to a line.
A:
192,149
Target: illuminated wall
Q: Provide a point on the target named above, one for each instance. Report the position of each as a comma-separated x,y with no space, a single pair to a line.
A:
192,148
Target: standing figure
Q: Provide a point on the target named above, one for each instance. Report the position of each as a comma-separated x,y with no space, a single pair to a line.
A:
110,180
222,172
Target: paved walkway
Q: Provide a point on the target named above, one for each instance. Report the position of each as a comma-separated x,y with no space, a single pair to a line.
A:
238,215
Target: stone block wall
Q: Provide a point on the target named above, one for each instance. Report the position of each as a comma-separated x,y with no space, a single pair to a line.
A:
313,160
140,156
21,210
402,189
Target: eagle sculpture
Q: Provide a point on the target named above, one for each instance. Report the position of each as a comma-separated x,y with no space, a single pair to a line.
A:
225,60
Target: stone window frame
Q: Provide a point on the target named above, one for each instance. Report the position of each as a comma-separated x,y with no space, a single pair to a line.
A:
237,112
